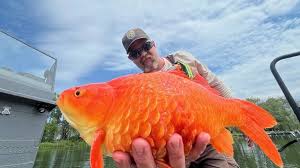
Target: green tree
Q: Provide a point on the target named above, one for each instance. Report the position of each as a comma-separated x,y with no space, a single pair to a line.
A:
58,128
50,132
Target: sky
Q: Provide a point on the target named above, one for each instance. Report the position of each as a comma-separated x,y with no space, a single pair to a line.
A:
236,39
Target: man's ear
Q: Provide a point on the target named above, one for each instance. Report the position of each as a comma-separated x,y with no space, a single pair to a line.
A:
154,44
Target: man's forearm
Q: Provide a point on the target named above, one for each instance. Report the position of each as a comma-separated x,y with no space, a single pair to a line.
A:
225,91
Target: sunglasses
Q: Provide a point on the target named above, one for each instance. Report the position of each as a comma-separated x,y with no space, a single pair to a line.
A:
134,54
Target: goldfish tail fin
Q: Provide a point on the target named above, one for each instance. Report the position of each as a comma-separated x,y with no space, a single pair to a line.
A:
253,123
263,118
96,158
261,138
223,143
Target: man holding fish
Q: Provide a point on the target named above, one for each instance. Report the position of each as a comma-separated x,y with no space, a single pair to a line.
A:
142,51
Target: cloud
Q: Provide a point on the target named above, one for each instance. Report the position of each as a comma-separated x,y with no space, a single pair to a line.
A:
251,75
236,39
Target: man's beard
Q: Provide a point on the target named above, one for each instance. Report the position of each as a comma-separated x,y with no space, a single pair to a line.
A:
151,67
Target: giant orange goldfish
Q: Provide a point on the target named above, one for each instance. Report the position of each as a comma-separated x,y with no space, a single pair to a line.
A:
156,105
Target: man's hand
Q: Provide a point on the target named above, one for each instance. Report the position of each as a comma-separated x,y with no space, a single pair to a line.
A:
142,155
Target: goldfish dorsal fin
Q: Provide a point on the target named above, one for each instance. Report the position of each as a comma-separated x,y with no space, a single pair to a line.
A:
223,143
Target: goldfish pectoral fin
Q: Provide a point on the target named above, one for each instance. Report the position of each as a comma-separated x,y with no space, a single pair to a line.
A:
261,138
162,164
96,158
223,143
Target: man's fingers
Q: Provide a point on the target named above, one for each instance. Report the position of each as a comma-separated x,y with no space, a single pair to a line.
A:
122,159
202,141
142,155
176,151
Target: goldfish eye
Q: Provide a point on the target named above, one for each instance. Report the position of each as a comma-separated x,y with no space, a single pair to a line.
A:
77,93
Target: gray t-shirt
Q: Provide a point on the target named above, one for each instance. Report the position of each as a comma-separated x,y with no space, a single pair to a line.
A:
197,67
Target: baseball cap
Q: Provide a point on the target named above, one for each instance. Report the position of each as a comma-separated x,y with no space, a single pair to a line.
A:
131,36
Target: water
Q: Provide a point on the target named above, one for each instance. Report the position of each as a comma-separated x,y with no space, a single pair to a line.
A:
253,157
78,156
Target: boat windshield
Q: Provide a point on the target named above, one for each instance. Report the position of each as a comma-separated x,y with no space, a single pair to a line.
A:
26,65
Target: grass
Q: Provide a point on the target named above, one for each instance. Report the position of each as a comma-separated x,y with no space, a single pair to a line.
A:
62,143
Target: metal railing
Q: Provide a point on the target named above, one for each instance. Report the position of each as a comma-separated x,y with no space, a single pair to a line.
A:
283,87
286,92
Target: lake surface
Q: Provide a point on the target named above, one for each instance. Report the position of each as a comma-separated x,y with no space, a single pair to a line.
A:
78,156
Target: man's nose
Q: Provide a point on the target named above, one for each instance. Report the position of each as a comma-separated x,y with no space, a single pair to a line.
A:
143,53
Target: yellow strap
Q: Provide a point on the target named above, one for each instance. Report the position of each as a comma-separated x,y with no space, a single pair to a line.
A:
186,69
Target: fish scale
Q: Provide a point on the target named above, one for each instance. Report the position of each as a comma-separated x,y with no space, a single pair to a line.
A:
156,105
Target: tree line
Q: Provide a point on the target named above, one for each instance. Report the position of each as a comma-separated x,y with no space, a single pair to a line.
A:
57,128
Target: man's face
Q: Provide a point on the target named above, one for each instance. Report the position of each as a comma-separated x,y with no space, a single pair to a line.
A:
148,61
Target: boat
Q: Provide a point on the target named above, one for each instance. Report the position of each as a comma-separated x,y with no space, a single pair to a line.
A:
26,98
